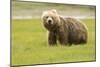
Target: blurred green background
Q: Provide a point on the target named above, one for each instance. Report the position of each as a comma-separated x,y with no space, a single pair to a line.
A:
34,10
29,37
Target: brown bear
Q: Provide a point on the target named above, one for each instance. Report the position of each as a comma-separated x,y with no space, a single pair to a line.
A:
66,30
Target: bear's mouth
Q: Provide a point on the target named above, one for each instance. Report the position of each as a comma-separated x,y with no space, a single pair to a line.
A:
50,26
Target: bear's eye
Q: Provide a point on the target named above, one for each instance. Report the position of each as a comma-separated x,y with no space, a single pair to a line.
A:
46,16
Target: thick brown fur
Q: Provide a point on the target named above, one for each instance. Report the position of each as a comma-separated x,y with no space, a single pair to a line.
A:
66,30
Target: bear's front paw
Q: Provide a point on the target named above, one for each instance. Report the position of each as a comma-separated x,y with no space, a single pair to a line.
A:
52,43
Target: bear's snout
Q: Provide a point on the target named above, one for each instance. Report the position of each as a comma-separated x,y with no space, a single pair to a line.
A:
49,21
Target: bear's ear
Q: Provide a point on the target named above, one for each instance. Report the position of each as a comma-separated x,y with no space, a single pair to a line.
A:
54,10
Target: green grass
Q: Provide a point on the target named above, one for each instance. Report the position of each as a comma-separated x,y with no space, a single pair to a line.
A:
29,45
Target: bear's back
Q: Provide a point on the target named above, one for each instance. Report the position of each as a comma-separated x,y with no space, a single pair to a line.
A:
77,30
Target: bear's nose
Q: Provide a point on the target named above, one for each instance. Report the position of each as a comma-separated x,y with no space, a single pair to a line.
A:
49,21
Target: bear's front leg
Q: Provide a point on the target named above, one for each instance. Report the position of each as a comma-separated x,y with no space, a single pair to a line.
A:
63,37
52,39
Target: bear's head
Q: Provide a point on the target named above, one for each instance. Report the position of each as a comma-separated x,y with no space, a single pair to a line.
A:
51,19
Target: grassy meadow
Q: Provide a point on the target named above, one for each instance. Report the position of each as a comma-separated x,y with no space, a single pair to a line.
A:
29,38
29,45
